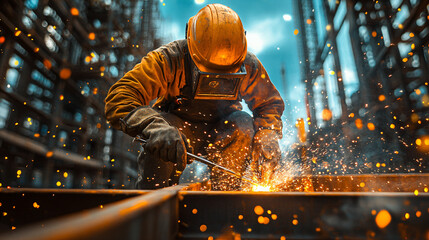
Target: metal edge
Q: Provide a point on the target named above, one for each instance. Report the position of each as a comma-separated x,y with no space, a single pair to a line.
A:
72,191
357,194
89,223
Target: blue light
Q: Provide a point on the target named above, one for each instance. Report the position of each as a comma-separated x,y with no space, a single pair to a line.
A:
31,4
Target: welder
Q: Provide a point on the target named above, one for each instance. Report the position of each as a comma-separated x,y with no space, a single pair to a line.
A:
185,96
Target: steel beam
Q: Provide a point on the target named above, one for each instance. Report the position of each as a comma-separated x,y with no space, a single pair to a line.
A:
149,215
357,183
185,212
276,215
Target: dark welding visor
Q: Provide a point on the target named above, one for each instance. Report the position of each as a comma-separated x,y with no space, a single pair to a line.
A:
217,86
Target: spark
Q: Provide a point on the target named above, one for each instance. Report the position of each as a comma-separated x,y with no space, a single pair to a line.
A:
258,210
91,36
383,219
261,188
418,214
74,12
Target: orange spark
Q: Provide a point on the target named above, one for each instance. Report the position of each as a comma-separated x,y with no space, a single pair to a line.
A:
326,114
74,12
91,36
383,219
65,73
358,123
47,64
258,210
203,228
371,126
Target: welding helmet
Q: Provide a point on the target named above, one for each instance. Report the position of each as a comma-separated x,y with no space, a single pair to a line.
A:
217,46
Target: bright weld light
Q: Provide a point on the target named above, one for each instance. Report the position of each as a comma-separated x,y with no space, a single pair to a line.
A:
199,1
260,188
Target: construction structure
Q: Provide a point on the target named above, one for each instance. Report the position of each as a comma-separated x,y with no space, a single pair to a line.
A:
386,208
57,61
365,69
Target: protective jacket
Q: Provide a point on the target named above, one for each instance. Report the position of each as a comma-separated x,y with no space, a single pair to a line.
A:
161,75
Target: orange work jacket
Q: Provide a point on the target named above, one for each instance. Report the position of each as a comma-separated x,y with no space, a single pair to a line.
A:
161,75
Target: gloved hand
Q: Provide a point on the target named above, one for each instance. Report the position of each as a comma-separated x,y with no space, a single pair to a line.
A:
266,153
164,141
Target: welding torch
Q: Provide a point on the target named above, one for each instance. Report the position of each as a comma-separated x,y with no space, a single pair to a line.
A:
208,163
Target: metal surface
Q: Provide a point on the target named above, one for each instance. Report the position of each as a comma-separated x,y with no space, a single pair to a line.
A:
358,183
233,215
149,215
184,212
26,206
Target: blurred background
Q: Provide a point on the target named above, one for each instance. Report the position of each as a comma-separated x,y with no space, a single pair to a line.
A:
353,74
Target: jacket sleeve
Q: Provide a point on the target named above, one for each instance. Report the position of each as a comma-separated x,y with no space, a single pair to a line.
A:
148,80
262,98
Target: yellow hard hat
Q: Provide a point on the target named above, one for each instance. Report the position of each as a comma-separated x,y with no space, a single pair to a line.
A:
216,39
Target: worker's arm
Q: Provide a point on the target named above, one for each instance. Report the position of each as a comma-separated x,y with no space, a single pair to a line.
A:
267,106
262,98
146,81
128,99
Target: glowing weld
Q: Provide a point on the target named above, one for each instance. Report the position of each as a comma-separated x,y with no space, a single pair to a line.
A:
261,188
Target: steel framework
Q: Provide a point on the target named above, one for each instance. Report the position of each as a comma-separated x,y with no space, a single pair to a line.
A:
57,62
364,66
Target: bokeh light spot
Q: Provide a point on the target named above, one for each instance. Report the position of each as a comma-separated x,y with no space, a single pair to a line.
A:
383,218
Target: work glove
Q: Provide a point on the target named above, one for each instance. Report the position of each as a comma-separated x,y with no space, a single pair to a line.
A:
163,141
266,153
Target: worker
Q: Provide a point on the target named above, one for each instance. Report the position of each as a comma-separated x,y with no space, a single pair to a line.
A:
185,96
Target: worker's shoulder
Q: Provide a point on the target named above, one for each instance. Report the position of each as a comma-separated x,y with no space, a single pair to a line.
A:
252,61
174,49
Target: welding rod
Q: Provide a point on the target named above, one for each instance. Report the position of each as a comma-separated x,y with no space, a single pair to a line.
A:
212,164
209,163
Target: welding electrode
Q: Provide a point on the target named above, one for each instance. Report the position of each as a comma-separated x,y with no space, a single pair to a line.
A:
209,163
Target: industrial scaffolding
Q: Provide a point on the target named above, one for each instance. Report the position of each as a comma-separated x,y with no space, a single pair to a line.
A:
365,67
57,61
